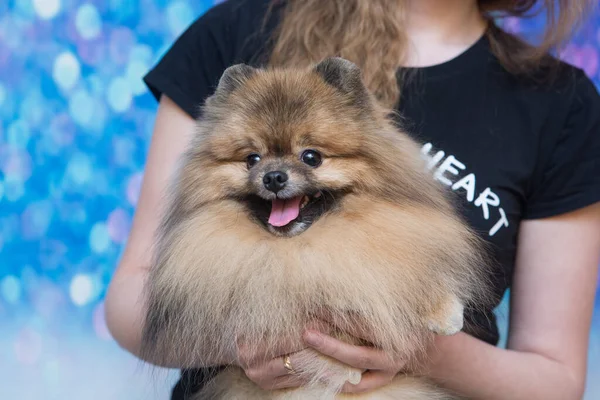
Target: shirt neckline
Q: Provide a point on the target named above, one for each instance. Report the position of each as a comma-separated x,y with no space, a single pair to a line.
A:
473,56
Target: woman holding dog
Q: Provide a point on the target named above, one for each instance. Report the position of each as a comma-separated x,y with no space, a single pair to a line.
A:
515,133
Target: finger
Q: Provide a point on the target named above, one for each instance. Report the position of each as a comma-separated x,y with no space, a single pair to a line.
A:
249,357
273,375
371,380
288,381
272,369
276,367
360,357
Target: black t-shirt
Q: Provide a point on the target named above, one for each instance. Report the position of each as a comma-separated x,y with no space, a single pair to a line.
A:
510,149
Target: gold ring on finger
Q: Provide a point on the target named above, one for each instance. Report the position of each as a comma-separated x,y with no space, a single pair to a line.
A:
287,364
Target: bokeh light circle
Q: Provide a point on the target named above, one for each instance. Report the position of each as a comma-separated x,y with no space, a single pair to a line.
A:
11,289
81,289
66,71
16,164
47,9
142,53
179,16
81,108
134,73
24,8
99,239
18,134
88,22
119,95
79,168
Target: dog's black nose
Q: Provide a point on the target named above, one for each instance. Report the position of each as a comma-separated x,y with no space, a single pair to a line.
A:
275,180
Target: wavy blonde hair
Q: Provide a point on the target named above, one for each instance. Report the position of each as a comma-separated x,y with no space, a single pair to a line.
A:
370,33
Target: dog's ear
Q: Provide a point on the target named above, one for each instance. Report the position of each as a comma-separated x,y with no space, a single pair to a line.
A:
234,77
343,75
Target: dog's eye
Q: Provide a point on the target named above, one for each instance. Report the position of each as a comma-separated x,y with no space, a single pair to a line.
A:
252,160
311,157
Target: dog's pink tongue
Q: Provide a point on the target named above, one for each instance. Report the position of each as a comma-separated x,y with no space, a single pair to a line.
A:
284,211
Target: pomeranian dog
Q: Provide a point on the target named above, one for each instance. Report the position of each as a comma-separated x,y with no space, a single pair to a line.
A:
300,198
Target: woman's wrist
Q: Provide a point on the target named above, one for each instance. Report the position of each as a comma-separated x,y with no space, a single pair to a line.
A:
427,364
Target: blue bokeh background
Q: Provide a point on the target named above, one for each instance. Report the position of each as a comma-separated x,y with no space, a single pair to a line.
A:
75,123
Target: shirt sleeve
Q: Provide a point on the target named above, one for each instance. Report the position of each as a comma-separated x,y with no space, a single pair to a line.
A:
190,70
571,177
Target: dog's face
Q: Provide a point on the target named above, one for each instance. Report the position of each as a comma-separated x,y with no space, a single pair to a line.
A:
289,145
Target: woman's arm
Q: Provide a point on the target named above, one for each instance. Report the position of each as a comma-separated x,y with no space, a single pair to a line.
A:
552,302
124,306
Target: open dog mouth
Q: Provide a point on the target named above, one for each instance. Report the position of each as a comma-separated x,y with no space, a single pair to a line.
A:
290,216
284,211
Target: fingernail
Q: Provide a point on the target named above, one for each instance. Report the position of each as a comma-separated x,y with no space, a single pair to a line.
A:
313,338
354,377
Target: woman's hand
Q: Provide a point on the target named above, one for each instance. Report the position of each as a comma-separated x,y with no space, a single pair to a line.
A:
270,374
380,368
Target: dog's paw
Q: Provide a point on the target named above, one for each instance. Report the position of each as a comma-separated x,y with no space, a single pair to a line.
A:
449,320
